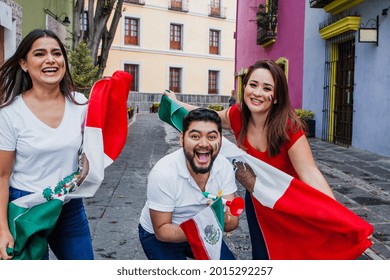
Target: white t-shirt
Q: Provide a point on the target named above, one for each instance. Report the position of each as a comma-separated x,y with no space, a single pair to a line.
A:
44,155
172,189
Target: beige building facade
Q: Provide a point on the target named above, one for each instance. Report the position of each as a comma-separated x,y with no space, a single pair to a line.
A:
187,46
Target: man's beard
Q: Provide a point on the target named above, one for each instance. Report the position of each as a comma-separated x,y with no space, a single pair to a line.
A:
199,170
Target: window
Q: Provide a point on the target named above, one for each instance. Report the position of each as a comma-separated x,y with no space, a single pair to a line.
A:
214,42
133,69
132,31
213,82
176,5
175,79
175,36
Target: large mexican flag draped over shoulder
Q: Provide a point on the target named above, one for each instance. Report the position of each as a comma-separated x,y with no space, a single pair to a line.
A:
204,231
31,218
298,222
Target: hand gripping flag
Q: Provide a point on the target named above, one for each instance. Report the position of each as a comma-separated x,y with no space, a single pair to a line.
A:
204,231
298,221
32,218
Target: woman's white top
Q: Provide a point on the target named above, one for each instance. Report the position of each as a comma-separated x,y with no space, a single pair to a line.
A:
44,155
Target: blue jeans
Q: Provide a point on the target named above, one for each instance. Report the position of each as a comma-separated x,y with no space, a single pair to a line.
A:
71,237
157,250
259,250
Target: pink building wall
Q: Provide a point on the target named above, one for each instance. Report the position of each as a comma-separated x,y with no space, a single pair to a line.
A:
289,42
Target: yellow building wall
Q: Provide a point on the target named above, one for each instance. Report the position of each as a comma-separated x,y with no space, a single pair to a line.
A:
154,56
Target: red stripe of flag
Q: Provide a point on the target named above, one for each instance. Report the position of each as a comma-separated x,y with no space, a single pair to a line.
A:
307,224
108,101
195,240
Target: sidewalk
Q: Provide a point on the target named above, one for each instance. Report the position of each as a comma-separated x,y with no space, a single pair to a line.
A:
360,180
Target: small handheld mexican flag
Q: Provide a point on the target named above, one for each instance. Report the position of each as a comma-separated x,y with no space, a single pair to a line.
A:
32,218
204,231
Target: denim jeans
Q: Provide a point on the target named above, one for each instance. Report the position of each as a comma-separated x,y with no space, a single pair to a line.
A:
259,250
157,250
71,237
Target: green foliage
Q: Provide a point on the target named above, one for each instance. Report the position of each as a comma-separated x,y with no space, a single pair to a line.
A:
304,114
215,107
266,15
83,71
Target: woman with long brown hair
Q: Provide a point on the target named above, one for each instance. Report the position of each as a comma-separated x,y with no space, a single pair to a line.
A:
41,132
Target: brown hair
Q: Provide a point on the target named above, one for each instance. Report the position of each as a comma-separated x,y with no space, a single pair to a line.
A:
14,81
280,113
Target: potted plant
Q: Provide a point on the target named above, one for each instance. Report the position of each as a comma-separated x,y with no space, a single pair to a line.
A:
130,112
307,116
267,20
215,107
154,107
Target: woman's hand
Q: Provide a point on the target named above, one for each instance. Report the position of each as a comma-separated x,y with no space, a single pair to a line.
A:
6,240
170,94
245,175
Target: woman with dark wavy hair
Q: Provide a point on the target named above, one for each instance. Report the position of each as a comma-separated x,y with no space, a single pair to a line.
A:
41,129
266,127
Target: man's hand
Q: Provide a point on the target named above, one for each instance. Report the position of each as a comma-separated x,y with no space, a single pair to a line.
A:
245,175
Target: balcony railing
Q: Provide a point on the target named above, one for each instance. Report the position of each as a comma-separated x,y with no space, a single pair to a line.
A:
217,11
319,3
179,6
138,2
265,36
266,31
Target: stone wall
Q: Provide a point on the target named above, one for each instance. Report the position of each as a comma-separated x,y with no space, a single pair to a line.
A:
142,101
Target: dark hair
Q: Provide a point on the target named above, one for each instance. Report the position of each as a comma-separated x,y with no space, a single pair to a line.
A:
280,114
14,81
202,114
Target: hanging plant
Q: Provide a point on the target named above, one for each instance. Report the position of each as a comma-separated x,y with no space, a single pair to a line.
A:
266,15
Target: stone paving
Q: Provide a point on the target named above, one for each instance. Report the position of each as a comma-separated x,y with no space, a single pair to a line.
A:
360,180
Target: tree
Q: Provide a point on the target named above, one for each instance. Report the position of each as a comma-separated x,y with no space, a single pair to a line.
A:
83,71
97,34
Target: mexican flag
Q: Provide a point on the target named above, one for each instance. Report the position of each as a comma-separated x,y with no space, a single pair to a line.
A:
298,221
204,231
31,218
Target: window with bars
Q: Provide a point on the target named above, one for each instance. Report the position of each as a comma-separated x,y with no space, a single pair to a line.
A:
133,69
131,31
176,37
214,40
175,79
213,82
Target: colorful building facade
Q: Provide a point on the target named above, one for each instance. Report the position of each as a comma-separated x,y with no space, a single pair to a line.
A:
346,81
186,46
10,28
335,54
286,47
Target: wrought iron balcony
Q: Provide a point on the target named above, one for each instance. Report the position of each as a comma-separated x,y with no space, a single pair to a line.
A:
178,5
265,36
217,11
319,3
138,2
266,31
